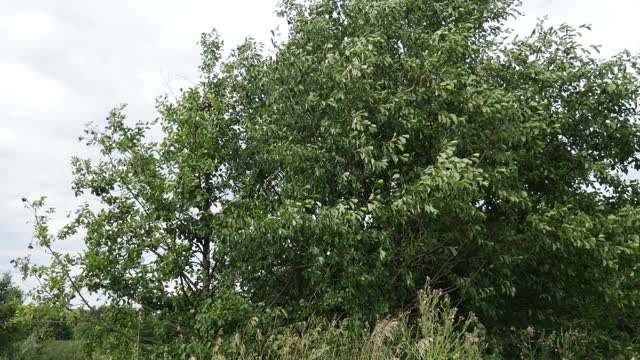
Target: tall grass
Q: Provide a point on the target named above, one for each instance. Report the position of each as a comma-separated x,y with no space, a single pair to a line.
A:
438,333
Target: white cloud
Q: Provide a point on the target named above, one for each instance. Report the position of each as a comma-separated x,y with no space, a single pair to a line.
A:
26,26
22,90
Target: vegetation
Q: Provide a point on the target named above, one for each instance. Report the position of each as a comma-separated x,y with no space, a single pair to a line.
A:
298,200
10,300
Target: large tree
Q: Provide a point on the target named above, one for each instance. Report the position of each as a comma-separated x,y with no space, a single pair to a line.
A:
386,142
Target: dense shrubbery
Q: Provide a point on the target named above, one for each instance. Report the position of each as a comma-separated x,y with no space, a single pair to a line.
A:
437,332
386,142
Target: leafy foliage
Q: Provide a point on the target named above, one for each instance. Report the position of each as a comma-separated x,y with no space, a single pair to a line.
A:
10,302
384,143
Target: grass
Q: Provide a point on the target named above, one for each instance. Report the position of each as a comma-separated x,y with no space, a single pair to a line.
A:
438,334
48,350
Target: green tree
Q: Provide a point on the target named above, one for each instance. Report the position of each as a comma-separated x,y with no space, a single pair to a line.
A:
384,143
10,302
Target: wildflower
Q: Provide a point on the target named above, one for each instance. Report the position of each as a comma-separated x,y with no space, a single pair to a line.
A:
424,345
471,338
530,331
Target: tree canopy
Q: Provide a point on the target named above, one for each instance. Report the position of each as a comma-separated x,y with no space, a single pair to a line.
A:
385,143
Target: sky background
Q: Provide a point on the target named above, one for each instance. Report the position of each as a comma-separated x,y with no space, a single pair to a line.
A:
64,63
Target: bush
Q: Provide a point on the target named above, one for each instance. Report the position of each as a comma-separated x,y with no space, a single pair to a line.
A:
34,349
61,350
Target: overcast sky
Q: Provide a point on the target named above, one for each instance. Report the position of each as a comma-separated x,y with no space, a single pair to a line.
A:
64,63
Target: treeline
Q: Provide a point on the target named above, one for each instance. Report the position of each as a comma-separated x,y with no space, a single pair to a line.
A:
25,330
312,196
38,332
